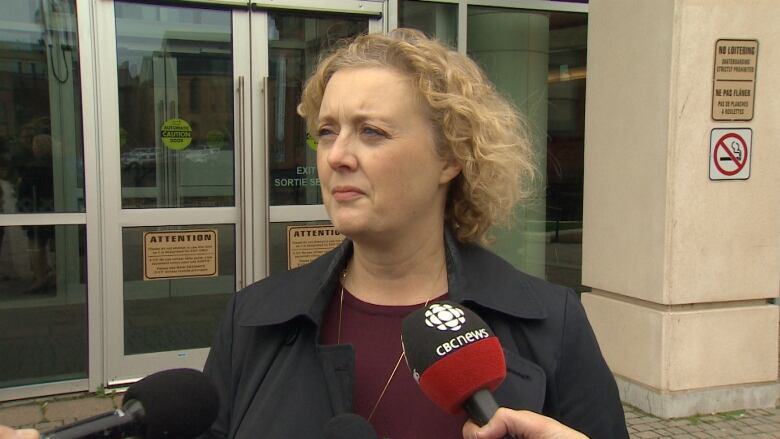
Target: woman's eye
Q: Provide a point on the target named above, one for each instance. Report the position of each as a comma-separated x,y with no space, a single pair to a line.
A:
324,132
371,131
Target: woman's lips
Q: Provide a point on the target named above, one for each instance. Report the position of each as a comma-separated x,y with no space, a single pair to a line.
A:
346,193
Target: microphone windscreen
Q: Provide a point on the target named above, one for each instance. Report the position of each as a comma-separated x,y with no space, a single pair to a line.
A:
452,353
349,426
178,403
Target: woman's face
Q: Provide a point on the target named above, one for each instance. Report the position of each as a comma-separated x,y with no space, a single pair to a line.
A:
376,156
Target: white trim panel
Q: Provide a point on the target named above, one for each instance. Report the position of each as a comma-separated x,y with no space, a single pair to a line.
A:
90,108
145,364
42,219
286,214
110,194
242,113
335,6
541,5
229,3
463,29
46,389
392,14
178,216
258,24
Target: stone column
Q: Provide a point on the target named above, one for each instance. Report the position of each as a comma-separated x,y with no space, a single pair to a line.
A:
682,269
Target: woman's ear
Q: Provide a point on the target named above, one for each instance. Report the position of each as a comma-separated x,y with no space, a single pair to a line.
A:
450,170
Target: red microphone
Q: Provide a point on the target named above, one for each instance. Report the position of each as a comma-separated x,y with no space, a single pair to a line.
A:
455,358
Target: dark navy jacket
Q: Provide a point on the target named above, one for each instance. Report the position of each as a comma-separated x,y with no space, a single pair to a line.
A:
276,381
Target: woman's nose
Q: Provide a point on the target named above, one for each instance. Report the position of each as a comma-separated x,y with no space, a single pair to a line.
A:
341,154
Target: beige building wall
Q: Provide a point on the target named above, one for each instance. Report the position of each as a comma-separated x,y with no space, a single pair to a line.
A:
681,267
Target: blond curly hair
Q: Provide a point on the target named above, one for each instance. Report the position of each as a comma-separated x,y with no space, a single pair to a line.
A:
475,125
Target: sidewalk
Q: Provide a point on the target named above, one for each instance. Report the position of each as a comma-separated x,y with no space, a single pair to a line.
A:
48,413
763,424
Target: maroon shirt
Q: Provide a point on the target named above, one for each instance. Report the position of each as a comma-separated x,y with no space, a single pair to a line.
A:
374,331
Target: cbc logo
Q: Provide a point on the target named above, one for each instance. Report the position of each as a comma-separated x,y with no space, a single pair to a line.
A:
444,317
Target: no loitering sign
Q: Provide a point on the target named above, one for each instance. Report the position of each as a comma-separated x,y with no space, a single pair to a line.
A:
730,153
734,79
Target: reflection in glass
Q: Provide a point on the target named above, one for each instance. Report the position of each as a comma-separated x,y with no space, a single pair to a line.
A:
537,59
565,147
439,20
41,147
175,72
173,314
43,304
295,43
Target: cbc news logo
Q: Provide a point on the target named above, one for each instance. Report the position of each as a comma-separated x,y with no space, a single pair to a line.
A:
444,317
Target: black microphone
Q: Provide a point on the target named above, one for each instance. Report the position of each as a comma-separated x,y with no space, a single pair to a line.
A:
175,403
455,358
349,426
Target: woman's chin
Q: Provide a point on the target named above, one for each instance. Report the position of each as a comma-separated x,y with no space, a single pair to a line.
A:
353,230
349,230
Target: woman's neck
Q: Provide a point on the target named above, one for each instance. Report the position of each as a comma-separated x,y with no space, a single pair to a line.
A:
399,272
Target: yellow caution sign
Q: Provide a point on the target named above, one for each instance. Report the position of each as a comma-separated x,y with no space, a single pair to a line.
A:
311,142
176,134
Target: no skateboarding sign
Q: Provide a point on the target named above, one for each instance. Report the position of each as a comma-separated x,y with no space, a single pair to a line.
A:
730,153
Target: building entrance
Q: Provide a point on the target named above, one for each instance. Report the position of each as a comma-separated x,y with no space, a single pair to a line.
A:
142,145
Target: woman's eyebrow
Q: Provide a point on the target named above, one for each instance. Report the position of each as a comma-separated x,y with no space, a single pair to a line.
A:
357,117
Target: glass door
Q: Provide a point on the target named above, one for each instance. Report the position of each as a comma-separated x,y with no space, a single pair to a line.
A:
172,176
43,210
289,41
198,126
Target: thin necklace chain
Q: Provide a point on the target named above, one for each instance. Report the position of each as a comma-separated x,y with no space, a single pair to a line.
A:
400,357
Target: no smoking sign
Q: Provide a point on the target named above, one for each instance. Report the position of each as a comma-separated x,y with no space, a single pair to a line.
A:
730,153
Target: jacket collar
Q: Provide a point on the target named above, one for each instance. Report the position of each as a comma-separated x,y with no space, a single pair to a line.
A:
477,275
474,275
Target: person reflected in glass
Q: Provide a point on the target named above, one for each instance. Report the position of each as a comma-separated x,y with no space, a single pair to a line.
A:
418,157
36,195
7,204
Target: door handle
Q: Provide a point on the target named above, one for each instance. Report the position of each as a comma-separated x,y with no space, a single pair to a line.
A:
242,197
266,152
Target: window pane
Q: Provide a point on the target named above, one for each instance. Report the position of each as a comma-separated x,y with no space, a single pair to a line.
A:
172,312
175,72
566,147
41,145
439,20
537,59
295,43
43,304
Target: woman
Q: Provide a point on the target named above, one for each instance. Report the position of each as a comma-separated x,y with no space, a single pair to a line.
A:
418,156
